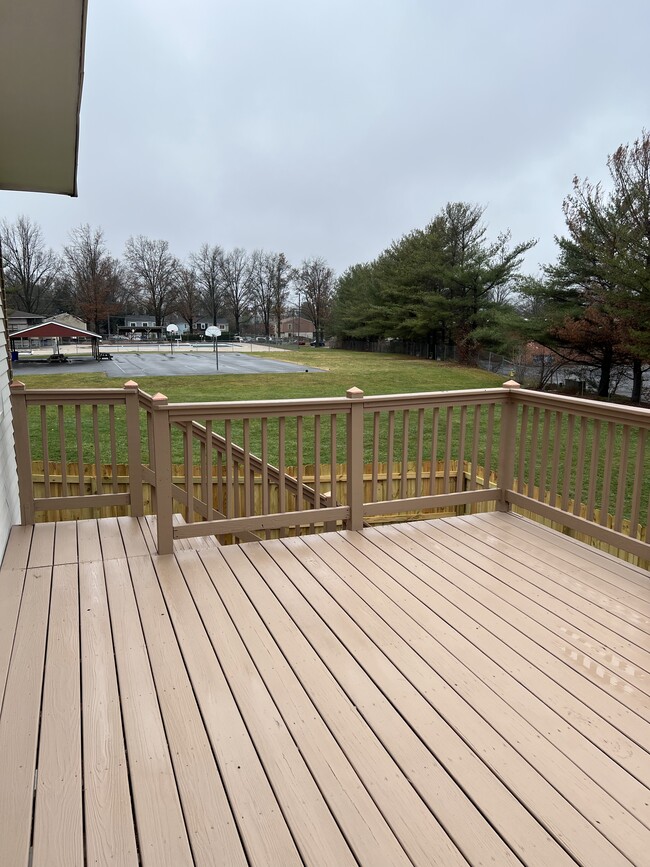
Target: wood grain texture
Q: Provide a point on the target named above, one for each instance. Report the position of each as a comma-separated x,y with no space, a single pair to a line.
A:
58,821
212,829
109,822
472,690
161,832
19,720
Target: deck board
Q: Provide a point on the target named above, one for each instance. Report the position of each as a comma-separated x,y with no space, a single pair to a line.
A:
483,762
367,831
470,690
205,803
537,598
109,821
58,822
469,587
499,697
65,543
162,836
19,722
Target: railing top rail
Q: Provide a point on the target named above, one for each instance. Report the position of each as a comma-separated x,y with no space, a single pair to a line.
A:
601,410
440,398
73,395
296,406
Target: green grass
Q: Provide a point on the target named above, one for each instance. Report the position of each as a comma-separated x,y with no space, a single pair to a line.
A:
374,373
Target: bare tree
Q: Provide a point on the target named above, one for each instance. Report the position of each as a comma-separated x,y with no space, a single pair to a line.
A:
94,276
315,279
152,272
29,268
270,278
206,266
235,277
189,300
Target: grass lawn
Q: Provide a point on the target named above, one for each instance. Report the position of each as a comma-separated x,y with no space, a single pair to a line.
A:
374,373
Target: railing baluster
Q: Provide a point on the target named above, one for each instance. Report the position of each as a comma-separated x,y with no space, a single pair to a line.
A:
317,461
555,468
475,446
405,454
419,453
248,492
594,464
188,451
331,500
80,451
230,482
568,463
63,452
390,454
448,447
532,463
460,469
97,449
582,447
266,499
520,444
209,471
375,456
637,486
489,439
622,478
282,493
299,464
222,505
45,450
435,421
543,467
607,477
112,435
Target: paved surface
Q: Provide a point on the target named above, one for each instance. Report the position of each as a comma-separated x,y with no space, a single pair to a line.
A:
131,365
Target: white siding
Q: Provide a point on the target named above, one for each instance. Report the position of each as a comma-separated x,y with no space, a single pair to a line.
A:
9,502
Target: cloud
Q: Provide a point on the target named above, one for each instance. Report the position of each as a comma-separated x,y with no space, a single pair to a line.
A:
331,128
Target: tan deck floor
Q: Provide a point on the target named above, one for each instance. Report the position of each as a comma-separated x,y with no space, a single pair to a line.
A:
465,691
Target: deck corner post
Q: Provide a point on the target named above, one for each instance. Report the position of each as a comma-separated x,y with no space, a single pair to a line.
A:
22,450
133,445
507,444
162,468
355,459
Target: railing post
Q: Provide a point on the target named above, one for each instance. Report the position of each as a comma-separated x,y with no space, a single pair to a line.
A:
134,449
355,459
507,442
162,468
22,450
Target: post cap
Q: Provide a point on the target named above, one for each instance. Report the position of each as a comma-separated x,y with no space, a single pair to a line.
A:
511,383
354,393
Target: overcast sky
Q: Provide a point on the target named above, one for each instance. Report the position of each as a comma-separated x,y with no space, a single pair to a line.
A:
331,127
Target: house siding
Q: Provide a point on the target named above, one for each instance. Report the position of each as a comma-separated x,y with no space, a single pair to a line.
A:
9,501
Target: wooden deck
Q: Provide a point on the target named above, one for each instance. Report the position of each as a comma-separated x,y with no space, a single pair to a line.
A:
465,691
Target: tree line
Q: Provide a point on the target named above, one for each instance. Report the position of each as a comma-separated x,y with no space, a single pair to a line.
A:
450,284
213,284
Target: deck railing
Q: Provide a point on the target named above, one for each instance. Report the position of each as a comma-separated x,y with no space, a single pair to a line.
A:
581,464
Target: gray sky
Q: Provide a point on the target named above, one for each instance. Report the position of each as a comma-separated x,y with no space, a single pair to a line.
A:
330,128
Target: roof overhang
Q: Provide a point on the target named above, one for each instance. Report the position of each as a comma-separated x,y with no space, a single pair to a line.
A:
41,75
53,329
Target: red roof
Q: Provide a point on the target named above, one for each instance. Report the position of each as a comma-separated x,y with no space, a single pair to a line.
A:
53,329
